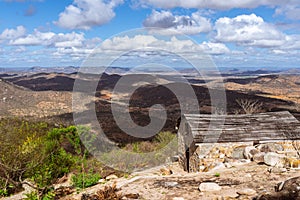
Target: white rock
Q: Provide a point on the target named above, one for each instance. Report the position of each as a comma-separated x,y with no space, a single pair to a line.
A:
209,187
240,162
178,198
111,177
218,166
249,152
248,176
270,147
171,184
274,159
101,180
259,157
238,152
246,191
228,165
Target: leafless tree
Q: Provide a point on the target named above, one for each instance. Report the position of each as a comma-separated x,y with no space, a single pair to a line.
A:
250,106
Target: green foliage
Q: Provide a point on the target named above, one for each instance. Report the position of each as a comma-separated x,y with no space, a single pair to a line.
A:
21,143
32,196
50,195
84,180
217,174
3,192
35,151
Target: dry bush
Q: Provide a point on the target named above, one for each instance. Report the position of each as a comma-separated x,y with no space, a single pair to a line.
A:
108,193
250,106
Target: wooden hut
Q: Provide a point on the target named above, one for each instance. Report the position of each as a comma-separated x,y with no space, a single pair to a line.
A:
196,130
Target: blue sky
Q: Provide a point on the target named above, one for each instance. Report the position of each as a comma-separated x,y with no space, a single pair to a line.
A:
236,34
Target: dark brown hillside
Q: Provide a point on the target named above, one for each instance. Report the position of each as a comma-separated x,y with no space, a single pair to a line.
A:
56,105
62,82
144,97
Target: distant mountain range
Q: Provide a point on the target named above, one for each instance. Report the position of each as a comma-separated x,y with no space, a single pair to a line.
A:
123,70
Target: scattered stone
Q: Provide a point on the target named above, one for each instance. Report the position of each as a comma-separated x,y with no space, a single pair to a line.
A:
246,191
234,195
249,152
132,196
274,159
270,147
174,158
227,165
238,152
222,155
111,177
171,184
165,171
259,158
240,162
209,187
218,166
178,198
102,180
248,176
277,170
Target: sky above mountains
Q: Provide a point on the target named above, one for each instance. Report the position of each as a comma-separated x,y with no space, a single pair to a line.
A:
235,33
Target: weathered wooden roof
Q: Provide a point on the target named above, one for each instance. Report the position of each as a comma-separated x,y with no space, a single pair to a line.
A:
242,128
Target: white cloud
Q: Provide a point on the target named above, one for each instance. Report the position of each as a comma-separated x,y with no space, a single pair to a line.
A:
37,38
214,48
8,34
173,44
213,4
193,24
291,11
84,14
248,30
52,39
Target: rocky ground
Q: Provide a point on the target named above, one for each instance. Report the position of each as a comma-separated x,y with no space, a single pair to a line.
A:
243,180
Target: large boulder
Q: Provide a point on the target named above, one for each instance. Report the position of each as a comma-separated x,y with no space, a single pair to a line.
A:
269,147
238,152
274,159
249,152
259,158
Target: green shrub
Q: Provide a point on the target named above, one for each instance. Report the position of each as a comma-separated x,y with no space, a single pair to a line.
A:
50,195
84,180
3,192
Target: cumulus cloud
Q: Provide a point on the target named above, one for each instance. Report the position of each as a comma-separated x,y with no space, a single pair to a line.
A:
8,34
214,48
84,14
193,24
248,30
173,44
57,40
213,4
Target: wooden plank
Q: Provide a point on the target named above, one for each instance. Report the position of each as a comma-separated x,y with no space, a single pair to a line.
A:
243,128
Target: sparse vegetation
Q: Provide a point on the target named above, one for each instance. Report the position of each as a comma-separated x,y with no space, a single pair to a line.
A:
41,154
161,140
250,106
84,180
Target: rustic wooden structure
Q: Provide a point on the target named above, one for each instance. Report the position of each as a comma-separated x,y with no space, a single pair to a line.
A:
200,129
